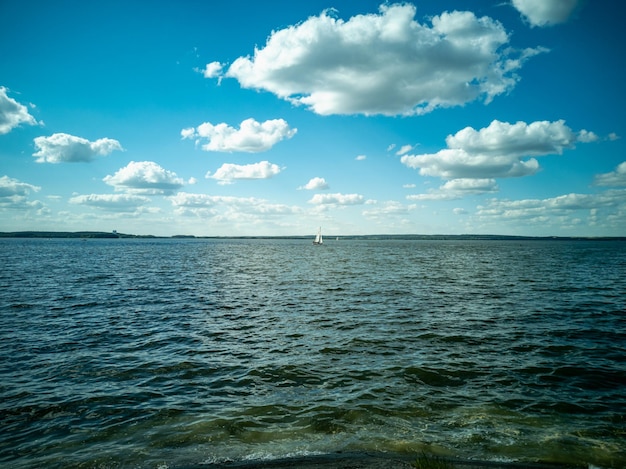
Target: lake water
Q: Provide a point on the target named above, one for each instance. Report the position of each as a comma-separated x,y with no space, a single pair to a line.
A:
162,353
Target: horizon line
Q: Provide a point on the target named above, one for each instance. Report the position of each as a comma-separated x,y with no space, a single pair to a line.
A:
116,234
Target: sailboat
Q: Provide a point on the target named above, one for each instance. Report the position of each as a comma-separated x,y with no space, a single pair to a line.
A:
318,237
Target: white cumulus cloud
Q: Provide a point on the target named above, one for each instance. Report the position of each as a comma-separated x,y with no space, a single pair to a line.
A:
14,194
112,202
458,163
229,172
546,12
404,150
10,187
457,189
240,211
337,199
386,209
516,140
496,151
186,199
213,69
615,178
188,133
315,183
12,113
250,137
144,177
471,185
65,148
558,210
386,63
585,136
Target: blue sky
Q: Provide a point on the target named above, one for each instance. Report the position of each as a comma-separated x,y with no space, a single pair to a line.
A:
274,118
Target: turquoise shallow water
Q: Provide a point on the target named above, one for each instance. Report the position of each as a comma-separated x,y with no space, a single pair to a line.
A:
152,353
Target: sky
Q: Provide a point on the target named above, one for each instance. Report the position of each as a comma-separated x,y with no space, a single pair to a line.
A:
246,118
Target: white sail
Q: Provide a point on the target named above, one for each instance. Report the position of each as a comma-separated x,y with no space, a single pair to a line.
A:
318,237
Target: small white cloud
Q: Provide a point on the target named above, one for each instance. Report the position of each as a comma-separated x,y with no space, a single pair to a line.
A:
337,199
613,136
242,211
185,199
585,136
228,172
459,211
188,133
10,187
361,157
615,178
391,147
474,186
316,183
457,189
144,177
14,195
65,148
433,195
385,209
404,149
212,70
386,63
112,202
408,186
251,137
12,113
546,12
199,205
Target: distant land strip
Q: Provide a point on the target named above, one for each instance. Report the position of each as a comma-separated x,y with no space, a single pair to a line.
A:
439,237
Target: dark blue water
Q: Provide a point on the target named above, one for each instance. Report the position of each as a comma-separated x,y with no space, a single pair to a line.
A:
154,353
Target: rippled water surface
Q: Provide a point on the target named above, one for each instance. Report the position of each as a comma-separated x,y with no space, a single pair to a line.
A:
144,353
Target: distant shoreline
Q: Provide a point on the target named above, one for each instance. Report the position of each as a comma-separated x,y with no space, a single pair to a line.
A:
437,237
